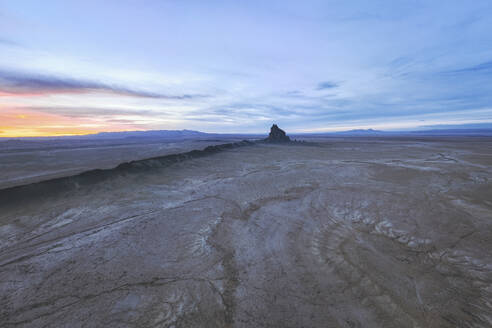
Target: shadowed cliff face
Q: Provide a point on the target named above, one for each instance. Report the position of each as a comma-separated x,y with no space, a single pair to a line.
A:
347,234
277,135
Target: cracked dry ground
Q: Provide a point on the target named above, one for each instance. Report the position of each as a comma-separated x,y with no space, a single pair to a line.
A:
343,234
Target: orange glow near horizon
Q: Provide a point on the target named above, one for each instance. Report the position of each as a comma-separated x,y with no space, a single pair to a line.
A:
16,123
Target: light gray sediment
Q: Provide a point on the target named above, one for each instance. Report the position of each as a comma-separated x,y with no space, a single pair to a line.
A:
345,234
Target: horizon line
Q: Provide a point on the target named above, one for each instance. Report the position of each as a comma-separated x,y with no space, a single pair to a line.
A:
333,131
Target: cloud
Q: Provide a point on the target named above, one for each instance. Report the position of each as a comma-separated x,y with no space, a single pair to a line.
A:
92,112
245,110
121,121
327,85
485,67
24,84
484,125
10,43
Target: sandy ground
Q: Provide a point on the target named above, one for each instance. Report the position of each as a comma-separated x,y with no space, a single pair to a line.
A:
348,233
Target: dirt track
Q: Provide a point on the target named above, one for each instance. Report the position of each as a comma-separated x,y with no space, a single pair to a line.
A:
387,233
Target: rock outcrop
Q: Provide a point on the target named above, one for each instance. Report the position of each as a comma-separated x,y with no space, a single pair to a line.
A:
277,135
47,188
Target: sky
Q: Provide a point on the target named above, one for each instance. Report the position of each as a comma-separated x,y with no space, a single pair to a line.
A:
78,67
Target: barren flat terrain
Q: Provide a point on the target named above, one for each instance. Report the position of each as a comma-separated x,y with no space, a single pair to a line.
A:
23,162
341,233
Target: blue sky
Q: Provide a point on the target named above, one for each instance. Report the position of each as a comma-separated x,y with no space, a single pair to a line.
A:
239,66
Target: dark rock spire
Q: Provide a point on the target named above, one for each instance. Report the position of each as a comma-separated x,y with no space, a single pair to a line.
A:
277,135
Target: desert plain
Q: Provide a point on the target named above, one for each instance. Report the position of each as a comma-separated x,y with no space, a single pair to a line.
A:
336,232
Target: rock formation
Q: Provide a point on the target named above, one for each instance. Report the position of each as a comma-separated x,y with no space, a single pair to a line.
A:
277,135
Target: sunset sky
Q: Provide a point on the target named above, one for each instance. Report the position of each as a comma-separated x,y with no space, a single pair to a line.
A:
77,67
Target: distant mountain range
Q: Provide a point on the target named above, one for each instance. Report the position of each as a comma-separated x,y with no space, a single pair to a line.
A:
474,130
127,135
433,132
